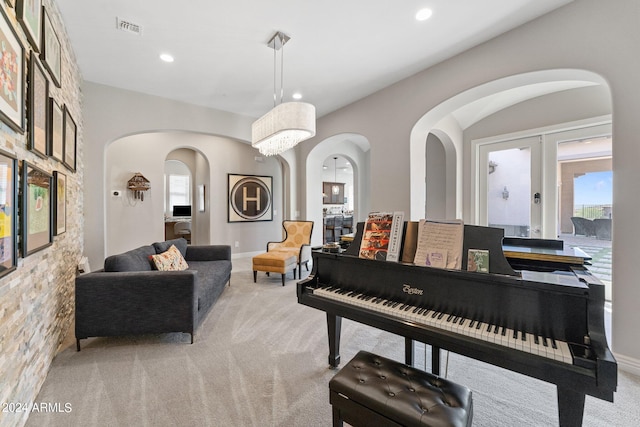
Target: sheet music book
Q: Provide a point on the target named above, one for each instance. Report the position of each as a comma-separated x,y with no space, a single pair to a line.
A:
382,236
440,244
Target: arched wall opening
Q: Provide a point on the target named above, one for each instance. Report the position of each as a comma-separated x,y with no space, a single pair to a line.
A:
355,149
198,167
130,223
483,100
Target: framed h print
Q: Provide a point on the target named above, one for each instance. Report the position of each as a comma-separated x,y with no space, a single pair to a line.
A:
30,16
8,213
11,76
38,98
51,49
60,211
250,198
69,137
56,130
36,209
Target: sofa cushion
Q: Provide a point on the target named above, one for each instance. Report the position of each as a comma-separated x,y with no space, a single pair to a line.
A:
212,277
171,260
179,243
133,260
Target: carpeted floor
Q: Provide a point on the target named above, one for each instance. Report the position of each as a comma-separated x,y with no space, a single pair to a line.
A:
260,359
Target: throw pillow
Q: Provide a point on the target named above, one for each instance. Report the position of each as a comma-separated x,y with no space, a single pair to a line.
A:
171,260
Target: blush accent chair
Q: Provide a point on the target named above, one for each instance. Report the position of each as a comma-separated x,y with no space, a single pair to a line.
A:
297,241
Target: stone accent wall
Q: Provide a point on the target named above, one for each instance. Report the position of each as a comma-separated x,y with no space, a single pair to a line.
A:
37,299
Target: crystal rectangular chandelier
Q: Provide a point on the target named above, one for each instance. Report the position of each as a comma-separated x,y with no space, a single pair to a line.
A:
287,123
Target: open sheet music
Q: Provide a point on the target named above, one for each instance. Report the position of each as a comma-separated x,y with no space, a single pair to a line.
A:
440,244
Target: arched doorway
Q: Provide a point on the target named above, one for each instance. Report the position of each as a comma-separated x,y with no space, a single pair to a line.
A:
354,149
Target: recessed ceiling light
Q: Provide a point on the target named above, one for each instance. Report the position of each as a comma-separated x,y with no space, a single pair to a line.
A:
166,57
297,95
424,14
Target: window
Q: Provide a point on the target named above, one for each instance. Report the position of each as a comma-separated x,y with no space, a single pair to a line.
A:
179,190
177,185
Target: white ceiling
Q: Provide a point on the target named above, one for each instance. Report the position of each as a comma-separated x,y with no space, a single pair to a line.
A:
340,50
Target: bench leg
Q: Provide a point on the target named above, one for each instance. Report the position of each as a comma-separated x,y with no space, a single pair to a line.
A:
283,274
255,276
337,421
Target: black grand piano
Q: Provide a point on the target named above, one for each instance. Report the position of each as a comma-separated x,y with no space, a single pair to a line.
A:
544,320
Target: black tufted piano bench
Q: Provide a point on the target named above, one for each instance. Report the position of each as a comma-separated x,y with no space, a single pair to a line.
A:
375,391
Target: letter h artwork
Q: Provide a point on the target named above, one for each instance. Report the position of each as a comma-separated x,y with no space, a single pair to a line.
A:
250,198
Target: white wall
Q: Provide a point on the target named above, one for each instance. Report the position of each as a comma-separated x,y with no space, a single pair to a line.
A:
131,223
111,114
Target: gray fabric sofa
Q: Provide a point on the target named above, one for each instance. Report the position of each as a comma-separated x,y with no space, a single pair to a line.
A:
129,297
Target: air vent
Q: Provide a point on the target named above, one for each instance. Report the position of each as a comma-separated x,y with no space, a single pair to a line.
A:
128,26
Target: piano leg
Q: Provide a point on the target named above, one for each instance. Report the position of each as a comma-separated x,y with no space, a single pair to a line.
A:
570,407
408,351
435,355
435,360
334,325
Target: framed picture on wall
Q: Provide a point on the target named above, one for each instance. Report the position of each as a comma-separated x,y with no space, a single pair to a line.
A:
51,49
55,133
250,198
60,212
29,14
69,136
36,209
8,213
12,73
38,97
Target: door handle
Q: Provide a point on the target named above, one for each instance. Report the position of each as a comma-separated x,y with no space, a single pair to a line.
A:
536,198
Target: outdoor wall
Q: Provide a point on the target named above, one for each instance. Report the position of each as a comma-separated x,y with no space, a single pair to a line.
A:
36,300
561,40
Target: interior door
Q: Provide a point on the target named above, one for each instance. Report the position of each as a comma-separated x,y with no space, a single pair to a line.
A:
510,186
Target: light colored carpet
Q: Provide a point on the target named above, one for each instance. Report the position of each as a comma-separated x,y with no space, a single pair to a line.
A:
260,359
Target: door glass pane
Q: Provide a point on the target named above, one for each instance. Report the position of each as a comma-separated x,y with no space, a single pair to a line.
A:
509,191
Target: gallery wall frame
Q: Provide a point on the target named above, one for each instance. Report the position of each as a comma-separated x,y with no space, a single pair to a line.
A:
8,212
55,132
37,111
29,13
51,49
250,198
12,97
201,198
36,213
70,140
60,202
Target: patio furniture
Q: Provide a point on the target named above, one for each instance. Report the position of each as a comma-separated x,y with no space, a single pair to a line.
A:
602,228
583,226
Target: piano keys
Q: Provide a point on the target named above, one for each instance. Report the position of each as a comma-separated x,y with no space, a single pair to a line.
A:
545,324
460,324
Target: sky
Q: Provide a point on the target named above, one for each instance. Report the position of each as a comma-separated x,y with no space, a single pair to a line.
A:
594,188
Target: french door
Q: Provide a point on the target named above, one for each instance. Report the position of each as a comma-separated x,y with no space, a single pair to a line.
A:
510,186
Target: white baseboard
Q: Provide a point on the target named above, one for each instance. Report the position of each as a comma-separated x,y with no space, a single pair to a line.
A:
628,364
246,254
